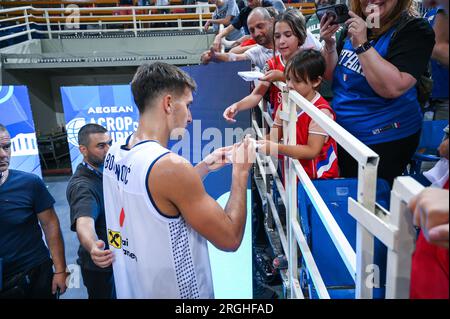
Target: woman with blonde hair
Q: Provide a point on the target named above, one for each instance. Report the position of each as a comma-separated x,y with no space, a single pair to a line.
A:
385,52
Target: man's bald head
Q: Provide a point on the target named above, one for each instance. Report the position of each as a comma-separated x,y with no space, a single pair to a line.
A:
260,25
259,13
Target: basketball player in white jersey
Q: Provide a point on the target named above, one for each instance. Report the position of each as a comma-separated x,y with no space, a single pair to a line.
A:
159,216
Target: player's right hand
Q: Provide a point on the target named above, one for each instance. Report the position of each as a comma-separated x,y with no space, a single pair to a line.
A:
244,154
230,112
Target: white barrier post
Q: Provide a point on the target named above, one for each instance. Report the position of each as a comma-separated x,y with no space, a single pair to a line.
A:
367,183
27,22
399,260
134,21
292,212
49,28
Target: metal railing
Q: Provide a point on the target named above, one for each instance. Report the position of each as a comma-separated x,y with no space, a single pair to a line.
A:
394,229
54,22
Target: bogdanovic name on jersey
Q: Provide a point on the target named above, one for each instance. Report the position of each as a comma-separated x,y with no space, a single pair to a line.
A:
121,171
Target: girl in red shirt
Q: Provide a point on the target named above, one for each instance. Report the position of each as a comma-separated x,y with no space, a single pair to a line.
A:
316,151
289,35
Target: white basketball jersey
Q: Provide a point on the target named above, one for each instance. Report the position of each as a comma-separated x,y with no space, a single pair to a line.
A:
156,256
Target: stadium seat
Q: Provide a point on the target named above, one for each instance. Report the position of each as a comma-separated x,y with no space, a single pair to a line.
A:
336,277
430,139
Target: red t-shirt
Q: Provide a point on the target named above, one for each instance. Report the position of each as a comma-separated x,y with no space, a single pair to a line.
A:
275,97
248,42
429,270
325,165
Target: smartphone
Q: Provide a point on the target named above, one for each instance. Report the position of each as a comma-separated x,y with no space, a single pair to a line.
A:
338,12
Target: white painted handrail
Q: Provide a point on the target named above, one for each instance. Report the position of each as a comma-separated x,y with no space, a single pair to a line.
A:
393,228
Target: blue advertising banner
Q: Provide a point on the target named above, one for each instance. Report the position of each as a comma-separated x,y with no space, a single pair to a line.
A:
110,106
218,87
15,114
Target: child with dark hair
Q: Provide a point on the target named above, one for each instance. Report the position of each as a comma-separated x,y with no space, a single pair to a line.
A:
288,38
316,151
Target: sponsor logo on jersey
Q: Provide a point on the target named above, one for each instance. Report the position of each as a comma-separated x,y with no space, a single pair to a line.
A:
115,239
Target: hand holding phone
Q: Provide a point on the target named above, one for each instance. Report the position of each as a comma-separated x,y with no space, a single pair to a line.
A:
338,13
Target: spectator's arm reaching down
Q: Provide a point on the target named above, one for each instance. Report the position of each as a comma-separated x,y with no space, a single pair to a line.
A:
302,152
222,34
225,21
440,50
211,55
241,39
316,139
247,102
52,231
179,190
236,48
431,209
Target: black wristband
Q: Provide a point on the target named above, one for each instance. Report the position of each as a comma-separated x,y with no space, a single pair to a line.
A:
363,47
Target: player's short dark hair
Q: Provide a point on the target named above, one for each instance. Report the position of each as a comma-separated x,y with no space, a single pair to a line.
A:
152,80
85,132
3,128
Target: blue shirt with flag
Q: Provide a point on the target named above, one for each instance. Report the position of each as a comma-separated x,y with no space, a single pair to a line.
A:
361,111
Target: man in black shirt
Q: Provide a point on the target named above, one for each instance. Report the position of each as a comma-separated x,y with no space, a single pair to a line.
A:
87,213
241,20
